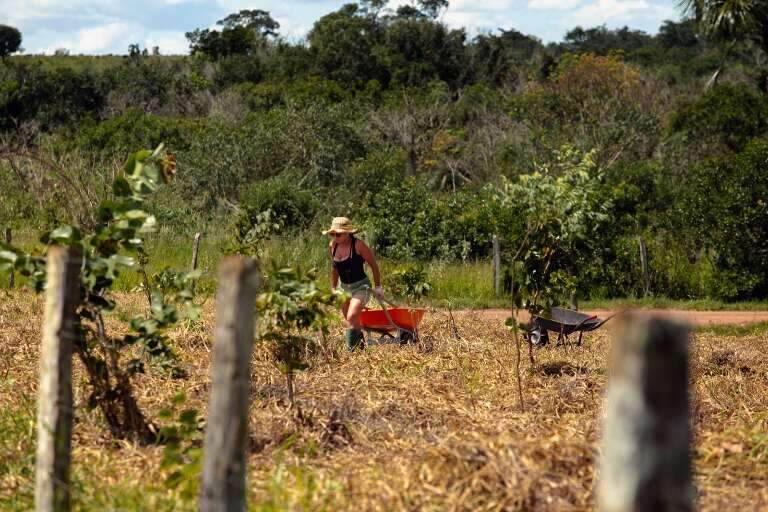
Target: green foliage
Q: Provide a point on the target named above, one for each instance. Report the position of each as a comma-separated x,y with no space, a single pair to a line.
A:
724,204
182,453
602,41
10,41
291,207
560,208
455,226
727,115
378,115
409,281
731,20
109,250
131,129
235,40
343,43
252,230
415,51
255,19
289,307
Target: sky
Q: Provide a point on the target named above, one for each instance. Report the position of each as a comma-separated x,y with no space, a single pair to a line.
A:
109,26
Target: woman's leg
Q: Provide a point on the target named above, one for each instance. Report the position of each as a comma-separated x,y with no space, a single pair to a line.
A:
344,309
352,314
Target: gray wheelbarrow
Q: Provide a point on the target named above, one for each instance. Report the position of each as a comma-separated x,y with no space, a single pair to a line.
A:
564,322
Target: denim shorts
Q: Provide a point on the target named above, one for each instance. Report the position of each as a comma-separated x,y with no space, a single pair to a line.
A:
359,290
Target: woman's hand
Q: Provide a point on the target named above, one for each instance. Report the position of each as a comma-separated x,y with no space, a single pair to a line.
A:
379,292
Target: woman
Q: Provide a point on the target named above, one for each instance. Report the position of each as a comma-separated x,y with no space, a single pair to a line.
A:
347,256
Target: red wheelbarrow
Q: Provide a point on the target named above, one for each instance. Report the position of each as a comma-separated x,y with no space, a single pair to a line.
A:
395,325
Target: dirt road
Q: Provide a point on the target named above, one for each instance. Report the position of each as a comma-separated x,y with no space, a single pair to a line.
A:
692,317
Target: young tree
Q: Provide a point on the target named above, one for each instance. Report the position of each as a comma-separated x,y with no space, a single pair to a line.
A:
10,41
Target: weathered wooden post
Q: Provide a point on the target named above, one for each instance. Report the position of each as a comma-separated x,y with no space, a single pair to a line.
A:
574,302
644,266
226,435
54,411
11,276
195,249
646,462
496,267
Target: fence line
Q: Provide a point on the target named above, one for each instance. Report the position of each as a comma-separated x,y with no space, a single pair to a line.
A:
54,416
226,435
646,456
646,463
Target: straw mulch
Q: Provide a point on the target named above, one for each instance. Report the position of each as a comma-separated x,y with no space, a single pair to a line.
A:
436,426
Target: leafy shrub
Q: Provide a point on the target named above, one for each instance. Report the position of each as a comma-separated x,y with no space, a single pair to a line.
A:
409,281
105,252
726,114
290,206
723,207
376,170
405,220
131,129
289,309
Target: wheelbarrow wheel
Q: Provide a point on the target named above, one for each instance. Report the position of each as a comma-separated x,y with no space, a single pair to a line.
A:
539,337
405,338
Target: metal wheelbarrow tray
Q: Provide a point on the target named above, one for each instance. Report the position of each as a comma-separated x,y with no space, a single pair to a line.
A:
395,325
564,322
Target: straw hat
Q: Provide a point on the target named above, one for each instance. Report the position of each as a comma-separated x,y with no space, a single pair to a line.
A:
340,225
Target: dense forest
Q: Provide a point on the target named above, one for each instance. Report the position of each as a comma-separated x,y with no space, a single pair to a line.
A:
432,140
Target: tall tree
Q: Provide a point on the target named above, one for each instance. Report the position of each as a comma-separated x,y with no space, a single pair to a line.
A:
732,21
343,43
255,19
10,41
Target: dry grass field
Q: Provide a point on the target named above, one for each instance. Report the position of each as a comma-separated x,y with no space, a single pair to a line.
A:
436,426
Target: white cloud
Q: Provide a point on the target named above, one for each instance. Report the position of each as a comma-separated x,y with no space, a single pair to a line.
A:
482,5
170,43
292,29
621,11
100,39
554,5
474,22
20,11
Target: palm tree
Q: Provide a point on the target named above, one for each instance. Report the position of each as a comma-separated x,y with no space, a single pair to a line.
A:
732,21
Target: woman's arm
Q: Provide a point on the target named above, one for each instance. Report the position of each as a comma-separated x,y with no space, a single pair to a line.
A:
334,278
334,272
367,254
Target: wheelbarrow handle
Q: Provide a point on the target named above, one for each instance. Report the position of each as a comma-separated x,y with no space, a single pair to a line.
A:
382,299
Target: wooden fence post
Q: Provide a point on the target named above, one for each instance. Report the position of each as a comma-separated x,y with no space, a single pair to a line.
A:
574,301
644,266
496,267
226,435
646,462
54,411
11,276
195,249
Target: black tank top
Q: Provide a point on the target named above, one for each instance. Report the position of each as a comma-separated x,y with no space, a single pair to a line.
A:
351,269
